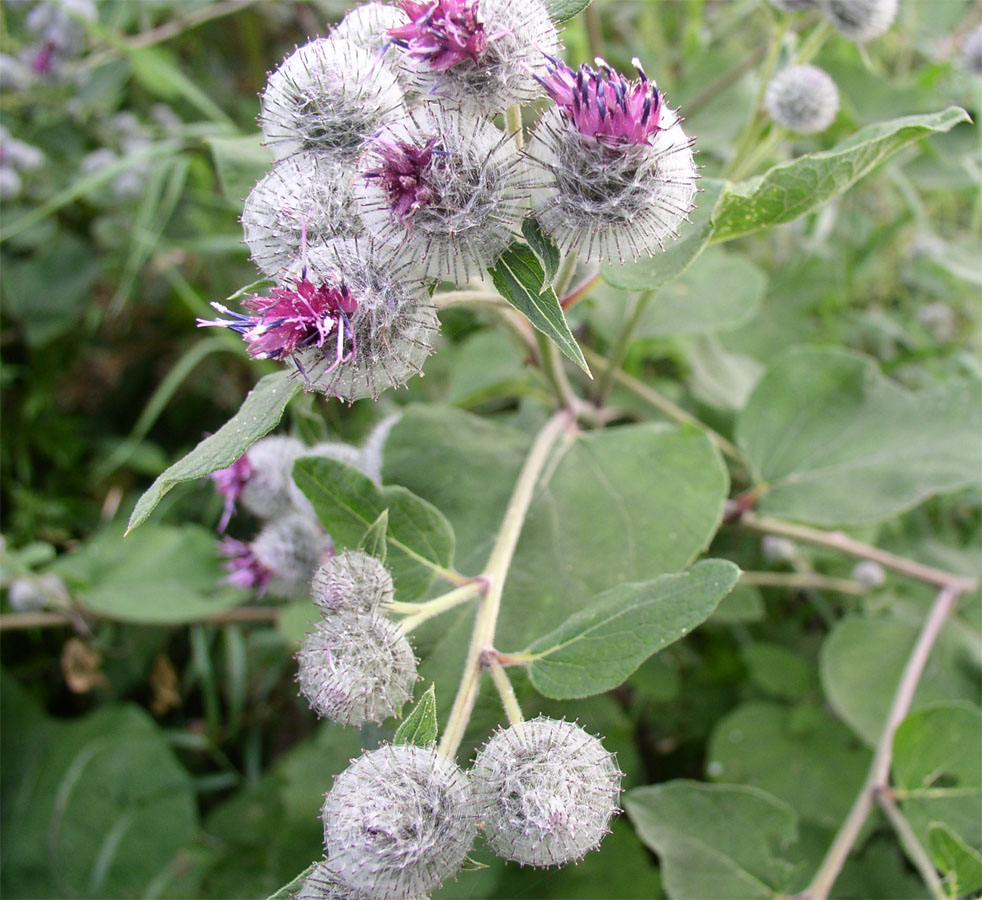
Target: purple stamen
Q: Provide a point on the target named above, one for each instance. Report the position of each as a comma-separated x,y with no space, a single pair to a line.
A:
229,483
244,568
403,174
441,33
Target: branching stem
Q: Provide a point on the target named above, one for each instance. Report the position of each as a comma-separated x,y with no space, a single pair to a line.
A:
803,580
505,690
417,613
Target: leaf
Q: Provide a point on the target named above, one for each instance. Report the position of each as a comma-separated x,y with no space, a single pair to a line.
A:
419,539
960,865
373,540
716,841
162,575
544,246
650,274
292,888
837,443
259,414
240,162
520,279
561,10
791,189
599,647
420,726
861,662
778,671
936,773
799,754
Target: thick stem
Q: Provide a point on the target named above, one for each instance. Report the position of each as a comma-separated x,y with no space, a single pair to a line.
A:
417,613
803,580
917,854
842,542
496,570
876,780
505,690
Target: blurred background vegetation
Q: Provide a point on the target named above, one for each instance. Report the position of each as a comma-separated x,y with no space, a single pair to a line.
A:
147,752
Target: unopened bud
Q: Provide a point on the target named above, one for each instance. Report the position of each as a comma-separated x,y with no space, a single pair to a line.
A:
803,99
869,574
860,20
352,581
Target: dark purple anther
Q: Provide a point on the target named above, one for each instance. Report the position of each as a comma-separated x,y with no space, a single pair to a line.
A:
441,33
402,174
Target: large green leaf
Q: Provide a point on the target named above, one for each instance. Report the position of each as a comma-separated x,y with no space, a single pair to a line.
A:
791,189
597,648
520,279
259,414
418,536
936,771
716,841
99,809
863,658
161,575
960,864
837,443
800,754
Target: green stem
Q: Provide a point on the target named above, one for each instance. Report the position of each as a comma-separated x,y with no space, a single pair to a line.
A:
496,570
417,613
803,580
459,298
915,852
552,366
505,690
513,125
616,359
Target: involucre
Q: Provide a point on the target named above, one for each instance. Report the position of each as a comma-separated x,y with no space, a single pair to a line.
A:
803,99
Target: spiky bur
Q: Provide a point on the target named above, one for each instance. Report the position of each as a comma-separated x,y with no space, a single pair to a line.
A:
367,26
971,52
260,479
352,581
280,560
328,97
356,667
860,20
323,883
546,790
617,171
481,55
398,821
448,189
307,197
803,99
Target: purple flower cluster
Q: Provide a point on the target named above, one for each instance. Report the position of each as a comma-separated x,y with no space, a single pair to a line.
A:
441,33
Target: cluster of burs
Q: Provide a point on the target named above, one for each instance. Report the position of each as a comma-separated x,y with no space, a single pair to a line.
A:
402,818
392,173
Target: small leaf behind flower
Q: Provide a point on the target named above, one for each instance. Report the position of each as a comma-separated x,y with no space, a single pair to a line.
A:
520,279
597,648
543,245
373,542
420,726
561,10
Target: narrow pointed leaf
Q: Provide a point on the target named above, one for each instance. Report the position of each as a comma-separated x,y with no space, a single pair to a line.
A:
420,726
543,245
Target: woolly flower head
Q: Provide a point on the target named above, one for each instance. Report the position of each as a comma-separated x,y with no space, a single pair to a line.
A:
281,559
367,27
398,821
356,668
803,99
306,197
860,20
971,52
546,790
352,581
351,318
449,189
481,55
617,171
261,478
328,96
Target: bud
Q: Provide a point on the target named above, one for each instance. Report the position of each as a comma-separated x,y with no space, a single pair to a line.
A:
860,20
616,168
280,560
971,52
367,27
398,821
328,96
546,790
356,668
777,549
449,189
869,574
803,99
481,55
35,593
306,197
352,581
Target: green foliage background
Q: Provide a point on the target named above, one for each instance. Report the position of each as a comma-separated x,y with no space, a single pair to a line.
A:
149,752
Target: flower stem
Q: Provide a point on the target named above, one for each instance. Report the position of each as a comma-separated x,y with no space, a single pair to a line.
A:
417,613
803,580
606,380
876,780
513,125
505,690
496,570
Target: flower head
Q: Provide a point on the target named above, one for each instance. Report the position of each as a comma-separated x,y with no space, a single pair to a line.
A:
229,483
352,580
546,790
328,96
398,821
355,667
449,189
803,99
481,55
614,170
860,20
